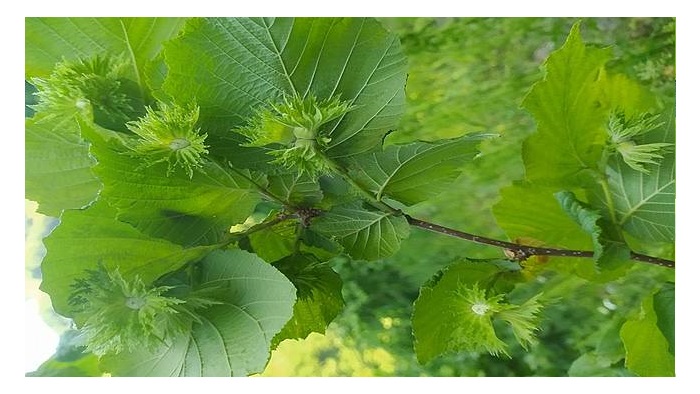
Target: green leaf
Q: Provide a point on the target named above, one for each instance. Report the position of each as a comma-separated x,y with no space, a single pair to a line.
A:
365,235
85,366
590,364
570,119
646,348
621,92
607,251
30,99
188,211
454,314
585,217
234,337
644,204
298,189
319,296
665,309
50,40
531,215
92,236
415,172
274,243
243,63
57,166
532,212
229,148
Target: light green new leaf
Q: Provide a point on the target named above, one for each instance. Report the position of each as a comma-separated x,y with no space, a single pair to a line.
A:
57,166
646,349
532,215
413,173
276,242
365,235
645,203
532,212
92,236
50,40
319,296
187,211
454,314
234,337
231,66
570,119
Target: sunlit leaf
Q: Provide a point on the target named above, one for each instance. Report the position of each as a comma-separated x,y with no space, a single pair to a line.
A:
454,313
57,166
566,105
646,348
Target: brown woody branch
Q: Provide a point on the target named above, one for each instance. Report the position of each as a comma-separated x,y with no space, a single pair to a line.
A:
522,252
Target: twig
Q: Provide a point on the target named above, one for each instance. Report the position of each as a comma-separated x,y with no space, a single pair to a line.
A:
522,252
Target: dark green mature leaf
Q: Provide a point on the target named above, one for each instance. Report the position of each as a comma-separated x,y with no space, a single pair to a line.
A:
243,63
645,203
187,211
319,296
455,313
647,350
413,173
234,337
29,99
570,119
228,147
57,166
297,189
92,236
365,235
665,309
50,40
